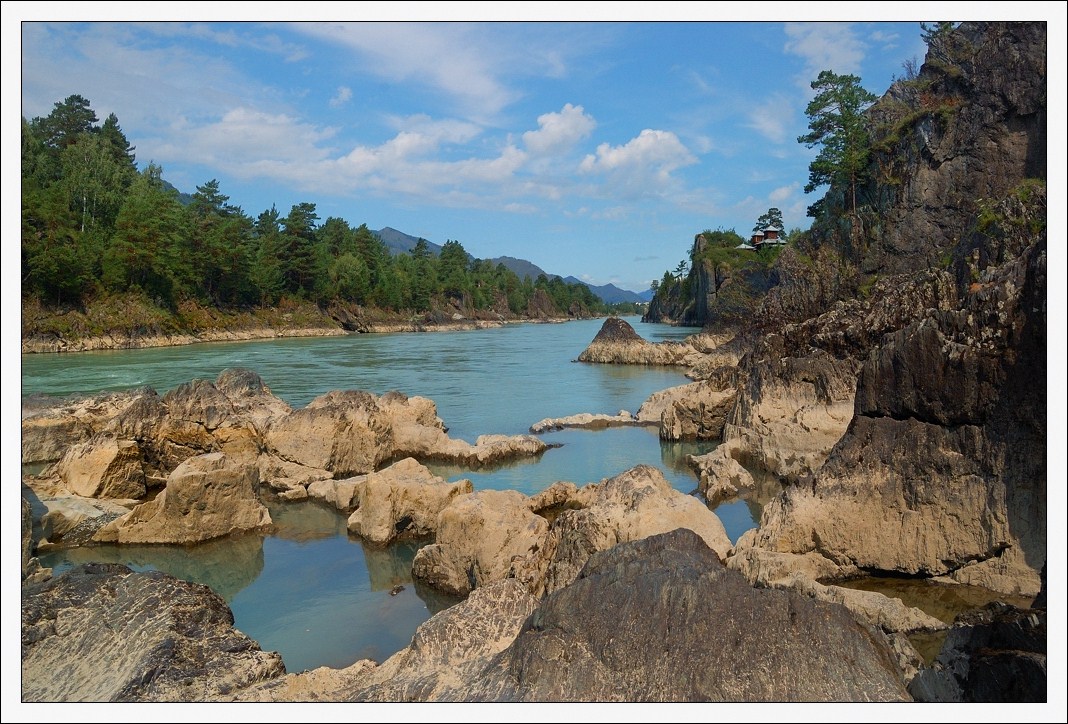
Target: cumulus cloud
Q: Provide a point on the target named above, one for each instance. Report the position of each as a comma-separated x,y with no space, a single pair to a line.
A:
243,135
344,95
642,166
559,131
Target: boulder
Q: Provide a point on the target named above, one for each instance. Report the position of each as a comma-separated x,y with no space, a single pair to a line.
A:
103,467
633,505
208,496
696,411
65,514
402,498
162,638
345,432
478,536
52,425
993,655
654,620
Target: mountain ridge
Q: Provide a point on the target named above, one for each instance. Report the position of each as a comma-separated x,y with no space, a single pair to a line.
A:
399,242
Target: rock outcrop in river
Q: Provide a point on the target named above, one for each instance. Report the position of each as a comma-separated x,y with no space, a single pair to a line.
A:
123,447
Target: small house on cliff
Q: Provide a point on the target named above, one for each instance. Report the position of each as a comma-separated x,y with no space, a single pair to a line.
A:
766,239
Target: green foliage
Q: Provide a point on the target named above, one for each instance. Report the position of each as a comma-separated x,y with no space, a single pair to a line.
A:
771,217
92,225
837,125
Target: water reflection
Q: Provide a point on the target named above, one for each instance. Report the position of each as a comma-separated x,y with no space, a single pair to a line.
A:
226,565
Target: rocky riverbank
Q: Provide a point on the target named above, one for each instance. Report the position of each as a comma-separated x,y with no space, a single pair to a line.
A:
134,323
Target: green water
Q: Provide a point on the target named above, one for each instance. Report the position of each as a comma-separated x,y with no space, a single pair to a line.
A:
311,592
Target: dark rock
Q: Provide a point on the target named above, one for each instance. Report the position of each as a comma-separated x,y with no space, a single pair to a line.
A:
102,633
661,619
615,329
995,654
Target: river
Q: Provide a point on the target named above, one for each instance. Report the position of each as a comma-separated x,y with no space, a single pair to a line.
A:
310,591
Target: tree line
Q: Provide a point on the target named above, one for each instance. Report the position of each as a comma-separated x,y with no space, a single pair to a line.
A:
93,224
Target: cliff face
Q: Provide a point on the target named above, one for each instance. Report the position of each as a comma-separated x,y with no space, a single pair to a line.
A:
938,298
947,145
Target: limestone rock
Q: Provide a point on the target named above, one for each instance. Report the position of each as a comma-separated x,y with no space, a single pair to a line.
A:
344,432
618,343
65,514
32,571
478,535
435,664
633,505
791,412
50,426
206,497
341,494
103,467
402,498
696,411
585,421
162,638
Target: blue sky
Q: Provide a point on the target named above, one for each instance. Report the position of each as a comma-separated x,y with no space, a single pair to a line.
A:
592,148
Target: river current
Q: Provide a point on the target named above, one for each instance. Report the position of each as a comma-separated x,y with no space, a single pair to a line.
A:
310,591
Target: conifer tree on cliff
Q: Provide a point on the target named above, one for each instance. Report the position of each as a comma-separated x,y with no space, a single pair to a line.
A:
836,122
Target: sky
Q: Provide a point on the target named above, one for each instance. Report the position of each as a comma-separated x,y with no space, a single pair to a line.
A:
592,139
593,148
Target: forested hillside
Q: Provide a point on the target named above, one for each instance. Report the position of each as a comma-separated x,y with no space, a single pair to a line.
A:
96,227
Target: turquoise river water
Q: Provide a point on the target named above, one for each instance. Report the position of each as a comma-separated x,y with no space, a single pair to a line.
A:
310,591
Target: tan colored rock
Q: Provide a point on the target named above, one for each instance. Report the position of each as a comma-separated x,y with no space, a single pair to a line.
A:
618,343
66,513
628,507
478,536
720,476
404,497
792,412
208,496
343,432
584,420
50,426
103,467
341,494
695,411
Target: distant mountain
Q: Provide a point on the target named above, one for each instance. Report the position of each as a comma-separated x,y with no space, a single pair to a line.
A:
609,293
400,243
521,267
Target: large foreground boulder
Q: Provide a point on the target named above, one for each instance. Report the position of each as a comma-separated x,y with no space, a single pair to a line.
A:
658,619
102,633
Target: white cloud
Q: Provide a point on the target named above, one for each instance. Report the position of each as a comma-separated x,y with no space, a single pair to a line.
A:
559,131
242,136
642,166
825,46
344,95
447,57
784,192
